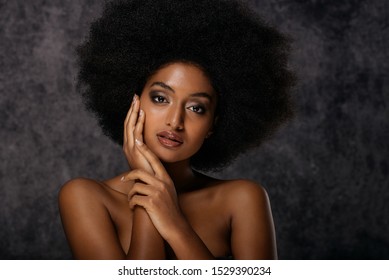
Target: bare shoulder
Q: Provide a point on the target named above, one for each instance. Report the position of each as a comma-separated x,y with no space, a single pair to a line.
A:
79,186
252,227
86,207
241,192
80,189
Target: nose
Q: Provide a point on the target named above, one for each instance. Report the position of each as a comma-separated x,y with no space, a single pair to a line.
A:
175,117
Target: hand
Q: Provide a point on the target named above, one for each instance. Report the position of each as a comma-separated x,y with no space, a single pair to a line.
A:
155,192
133,129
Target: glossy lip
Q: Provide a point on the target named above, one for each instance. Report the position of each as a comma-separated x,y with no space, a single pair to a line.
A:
169,139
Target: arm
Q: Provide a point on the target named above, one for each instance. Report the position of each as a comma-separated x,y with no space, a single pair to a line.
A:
186,244
87,223
252,227
146,242
90,231
157,195
153,197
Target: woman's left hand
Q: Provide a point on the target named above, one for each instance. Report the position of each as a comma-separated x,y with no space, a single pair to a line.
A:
156,193
133,129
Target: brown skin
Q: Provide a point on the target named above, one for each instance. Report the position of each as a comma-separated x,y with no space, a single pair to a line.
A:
162,209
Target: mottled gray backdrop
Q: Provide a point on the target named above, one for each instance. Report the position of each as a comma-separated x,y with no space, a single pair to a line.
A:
326,172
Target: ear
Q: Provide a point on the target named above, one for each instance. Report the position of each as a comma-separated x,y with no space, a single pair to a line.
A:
213,126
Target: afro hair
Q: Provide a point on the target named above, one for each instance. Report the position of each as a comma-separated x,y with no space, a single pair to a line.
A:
245,59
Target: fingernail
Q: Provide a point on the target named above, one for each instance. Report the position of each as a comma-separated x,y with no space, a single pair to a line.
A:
139,143
122,179
141,113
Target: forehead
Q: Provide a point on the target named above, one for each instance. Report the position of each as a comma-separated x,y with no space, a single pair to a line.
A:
182,77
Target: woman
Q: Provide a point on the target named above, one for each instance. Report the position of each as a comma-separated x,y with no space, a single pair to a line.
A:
211,81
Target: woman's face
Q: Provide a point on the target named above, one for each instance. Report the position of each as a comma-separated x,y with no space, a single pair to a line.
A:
179,104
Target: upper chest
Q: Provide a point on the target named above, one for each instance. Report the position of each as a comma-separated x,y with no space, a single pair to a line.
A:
204,210
210,218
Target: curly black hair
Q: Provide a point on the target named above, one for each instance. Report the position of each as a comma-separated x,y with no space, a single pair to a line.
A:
245,59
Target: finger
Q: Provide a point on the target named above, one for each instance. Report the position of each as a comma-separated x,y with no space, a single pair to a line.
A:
139,200
138,133
141,175
154,161
126,120
140,189
132,121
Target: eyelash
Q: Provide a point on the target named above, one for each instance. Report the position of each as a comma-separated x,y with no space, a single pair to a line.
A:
156,97
198,109
201,110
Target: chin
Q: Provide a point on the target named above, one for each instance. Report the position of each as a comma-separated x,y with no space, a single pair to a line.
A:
170,157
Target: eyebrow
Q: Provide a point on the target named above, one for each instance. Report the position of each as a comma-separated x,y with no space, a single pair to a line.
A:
163,85
196,94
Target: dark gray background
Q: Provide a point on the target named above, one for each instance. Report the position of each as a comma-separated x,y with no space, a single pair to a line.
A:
326,172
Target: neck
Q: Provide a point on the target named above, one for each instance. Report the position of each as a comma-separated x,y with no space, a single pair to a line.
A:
182,175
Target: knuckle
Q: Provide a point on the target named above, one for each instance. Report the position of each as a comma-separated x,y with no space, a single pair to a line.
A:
153,202
135,171
157,194
139,172
160,186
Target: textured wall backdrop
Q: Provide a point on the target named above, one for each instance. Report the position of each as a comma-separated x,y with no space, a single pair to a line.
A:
326,172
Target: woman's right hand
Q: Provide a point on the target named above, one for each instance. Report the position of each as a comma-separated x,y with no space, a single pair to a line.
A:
133,129
146,242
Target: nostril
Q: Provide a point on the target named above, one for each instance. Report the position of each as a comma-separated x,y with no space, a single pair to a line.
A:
176,119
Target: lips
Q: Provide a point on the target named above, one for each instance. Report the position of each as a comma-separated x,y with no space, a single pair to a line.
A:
169,139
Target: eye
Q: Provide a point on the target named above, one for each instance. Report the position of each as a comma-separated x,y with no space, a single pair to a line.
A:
158,99
197,109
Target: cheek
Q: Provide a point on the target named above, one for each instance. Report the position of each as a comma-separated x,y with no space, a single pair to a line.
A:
149,108
200,129
153,116
152,123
